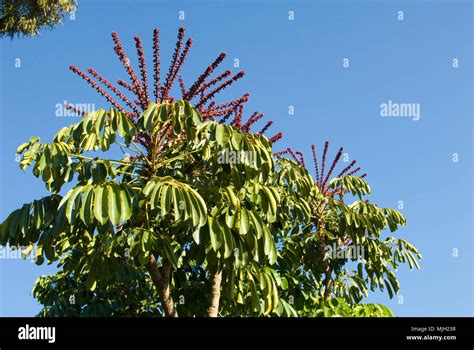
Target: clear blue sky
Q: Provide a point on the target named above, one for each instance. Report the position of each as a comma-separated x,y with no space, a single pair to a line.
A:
295,63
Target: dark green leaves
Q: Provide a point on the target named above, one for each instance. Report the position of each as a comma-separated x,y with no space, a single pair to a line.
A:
170,196
215,233
25,225
107,202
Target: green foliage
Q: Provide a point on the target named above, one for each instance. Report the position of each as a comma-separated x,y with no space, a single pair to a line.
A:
27,17
316,272
338,307
201,199
177,199
131,294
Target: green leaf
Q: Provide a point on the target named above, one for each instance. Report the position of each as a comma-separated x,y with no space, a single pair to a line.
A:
165,201
192,207
99,205
113,207
163,116
230,219
22,147
99,173
244,222
269,247
232,197
202,208
49,252
228,241
215,233
147,116
271,199
222,134
389,289
253,294
73,203
86,208
155,195
177,198
148,187
25,217
236,140
257,224
125,204
91,284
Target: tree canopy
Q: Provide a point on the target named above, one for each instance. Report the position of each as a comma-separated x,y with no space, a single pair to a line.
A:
164,206
28,17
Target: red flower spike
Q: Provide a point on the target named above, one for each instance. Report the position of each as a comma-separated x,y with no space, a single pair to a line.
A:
74,109
275,138
126,63
195,87
182,86
315,161
347,168
205,91
97,87
156,63
180,63
323,163
128,87
265,128
143,71
302,163
174,61
205,98
353,171
113,88
322,178
336,159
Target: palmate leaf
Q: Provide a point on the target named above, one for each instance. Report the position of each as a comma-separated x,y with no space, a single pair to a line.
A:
91,203
180,116
171,196
24,225
262,288
352,184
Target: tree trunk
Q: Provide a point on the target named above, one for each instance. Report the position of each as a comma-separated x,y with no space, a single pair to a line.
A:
326,269
326,266
213,309
162,280
327,283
